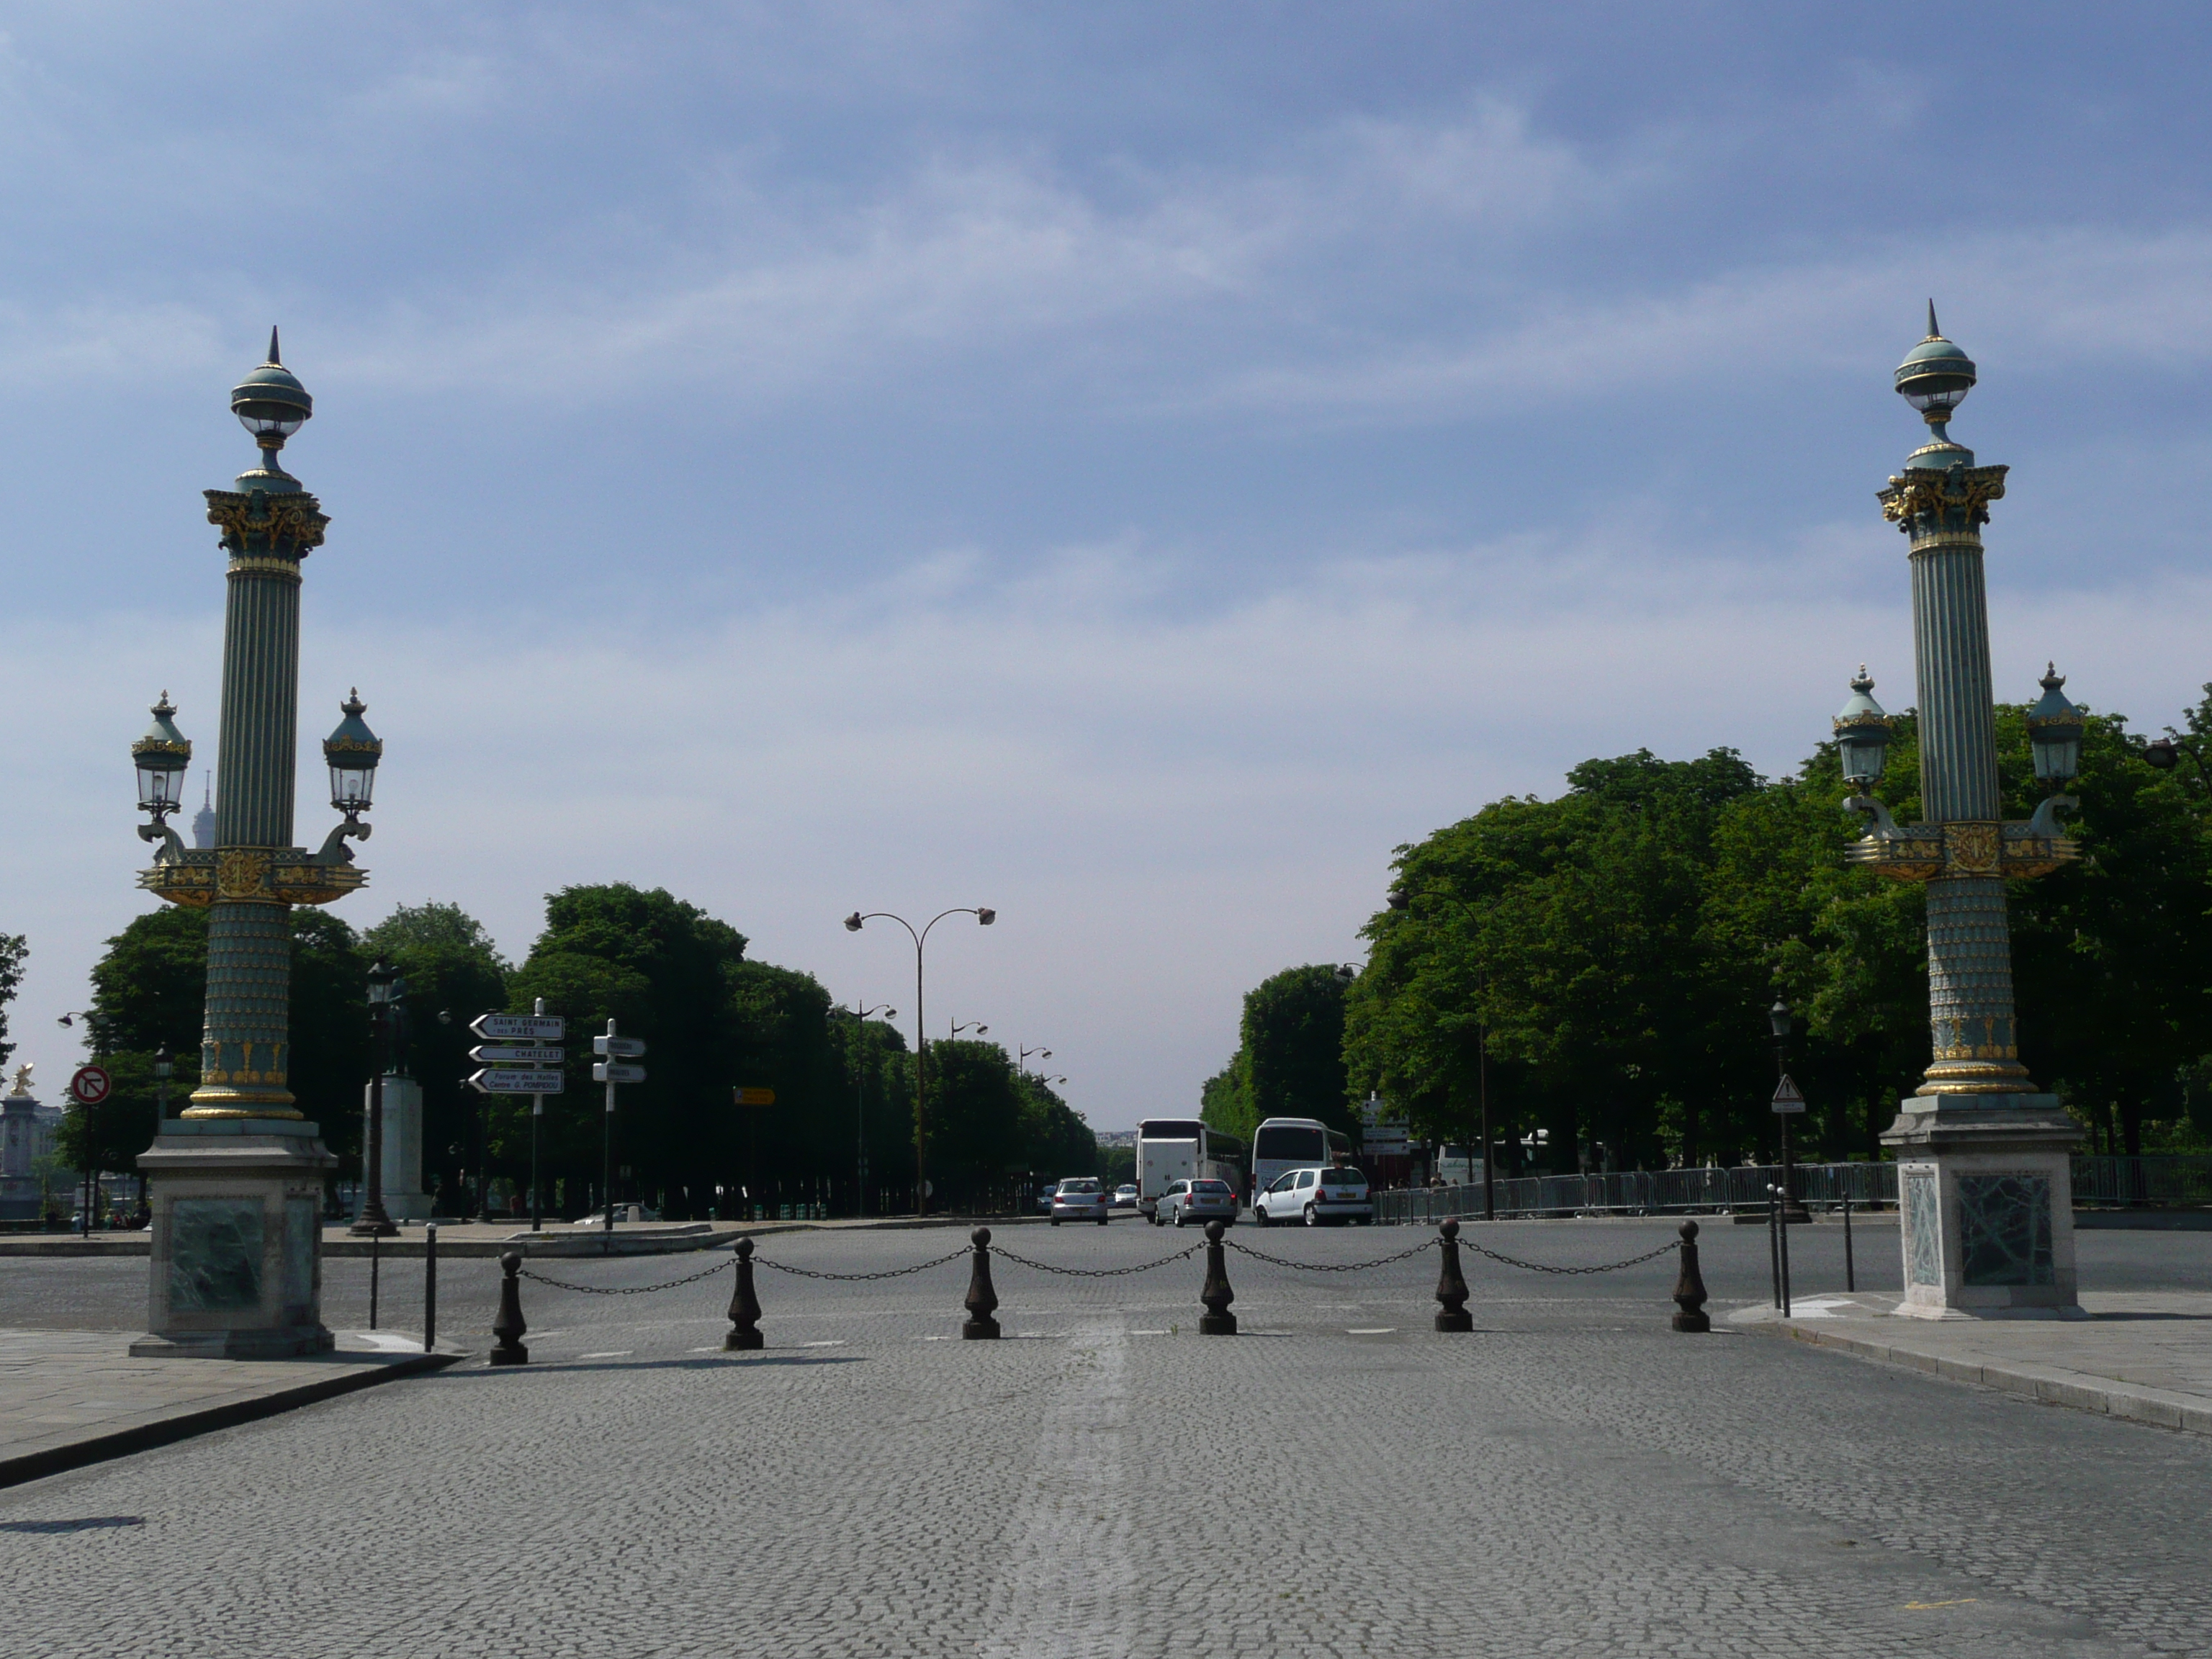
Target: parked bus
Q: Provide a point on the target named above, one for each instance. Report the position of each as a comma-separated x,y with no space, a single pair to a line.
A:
1170,1149
1294,1143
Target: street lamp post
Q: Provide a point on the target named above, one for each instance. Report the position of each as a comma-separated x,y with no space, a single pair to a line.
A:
237,1177
1984,1180
372,1222
1022,1061
860,1017
985,916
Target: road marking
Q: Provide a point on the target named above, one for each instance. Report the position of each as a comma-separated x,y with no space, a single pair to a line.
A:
1921,1606
1161,1331
1068,1583
833,1342
617,1353
1372,1330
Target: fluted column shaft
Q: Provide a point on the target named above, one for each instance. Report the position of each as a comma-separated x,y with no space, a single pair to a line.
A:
1970,990
245,1043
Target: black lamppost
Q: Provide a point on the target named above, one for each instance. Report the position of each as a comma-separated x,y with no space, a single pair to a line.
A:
985,916
1021,1059
860,1017
383,986
959,1025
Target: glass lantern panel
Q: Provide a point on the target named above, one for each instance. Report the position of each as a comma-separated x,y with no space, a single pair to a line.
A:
2058,758
159,787
350,786
1863,761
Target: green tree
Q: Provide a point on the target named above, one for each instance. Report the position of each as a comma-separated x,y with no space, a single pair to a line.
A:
13,949
663,969
450,971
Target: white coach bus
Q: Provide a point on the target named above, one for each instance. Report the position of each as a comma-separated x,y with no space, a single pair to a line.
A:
1170,1149
1294,1143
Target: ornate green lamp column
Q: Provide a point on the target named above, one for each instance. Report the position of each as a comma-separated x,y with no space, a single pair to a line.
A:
1984,1170
237,1177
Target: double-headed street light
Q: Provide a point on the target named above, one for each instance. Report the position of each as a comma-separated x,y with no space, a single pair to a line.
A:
1021,1059
985,916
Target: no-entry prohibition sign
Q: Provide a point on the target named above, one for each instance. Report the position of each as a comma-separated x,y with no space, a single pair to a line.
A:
88,1085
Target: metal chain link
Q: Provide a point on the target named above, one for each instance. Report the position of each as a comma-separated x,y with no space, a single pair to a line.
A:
1539,1267
855,1279
1328,1266
1096,1273
624,1290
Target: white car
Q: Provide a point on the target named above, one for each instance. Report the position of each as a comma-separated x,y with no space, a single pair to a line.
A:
1315,1194
1202,1201
1081,1198
1125,1195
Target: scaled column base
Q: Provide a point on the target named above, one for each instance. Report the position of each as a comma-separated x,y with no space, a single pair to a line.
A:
236,1264
1985,1192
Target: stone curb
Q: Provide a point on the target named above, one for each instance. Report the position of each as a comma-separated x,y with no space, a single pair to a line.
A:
144,1437
2050,1385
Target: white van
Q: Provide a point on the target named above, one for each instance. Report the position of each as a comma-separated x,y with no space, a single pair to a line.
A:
1169,1150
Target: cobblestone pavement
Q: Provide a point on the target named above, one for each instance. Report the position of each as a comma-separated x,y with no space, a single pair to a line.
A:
1574,1479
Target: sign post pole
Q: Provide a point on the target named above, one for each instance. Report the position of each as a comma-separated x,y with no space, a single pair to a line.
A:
612,1049
528,1064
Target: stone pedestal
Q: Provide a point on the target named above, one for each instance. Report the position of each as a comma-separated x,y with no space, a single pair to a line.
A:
237,1249
27,1133
402,1174
1985,1195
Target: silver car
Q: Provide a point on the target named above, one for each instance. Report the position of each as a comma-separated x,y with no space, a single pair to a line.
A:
1202,1201
1080,1197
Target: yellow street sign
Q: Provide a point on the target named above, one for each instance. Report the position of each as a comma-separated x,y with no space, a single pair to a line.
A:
753,1096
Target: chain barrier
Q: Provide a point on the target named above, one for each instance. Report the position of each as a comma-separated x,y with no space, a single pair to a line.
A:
1668,1249
628,1290
855,1279
1096,1273
1329,1266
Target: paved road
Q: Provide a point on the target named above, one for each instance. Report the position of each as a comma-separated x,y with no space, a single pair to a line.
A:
1572,1479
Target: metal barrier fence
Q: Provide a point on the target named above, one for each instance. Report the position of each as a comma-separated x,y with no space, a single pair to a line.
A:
2099,1181
2176,1178
1645,1192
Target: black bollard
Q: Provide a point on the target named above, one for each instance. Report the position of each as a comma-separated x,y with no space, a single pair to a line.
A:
1451,1284
1690,1286
982,1300
429,1287
1217,1320
1850,1272
508,1327
744,1307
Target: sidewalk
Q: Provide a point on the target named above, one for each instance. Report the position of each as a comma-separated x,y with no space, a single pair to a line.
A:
2145,1355
69,1398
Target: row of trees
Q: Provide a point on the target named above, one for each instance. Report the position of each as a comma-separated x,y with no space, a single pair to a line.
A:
667,972
1600,965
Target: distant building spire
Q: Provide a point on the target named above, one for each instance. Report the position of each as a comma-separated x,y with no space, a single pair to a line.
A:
204,820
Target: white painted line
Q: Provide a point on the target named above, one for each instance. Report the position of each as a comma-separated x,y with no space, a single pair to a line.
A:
1372,1330
833,1343
618,1353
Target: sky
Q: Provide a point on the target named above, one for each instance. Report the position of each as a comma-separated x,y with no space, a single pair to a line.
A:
1130,465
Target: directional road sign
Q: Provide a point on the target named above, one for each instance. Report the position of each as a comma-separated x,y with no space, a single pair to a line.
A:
537,1027
613,1071
518,1083
618,1046
88,1085
753,1096
518,1053
1786,1097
